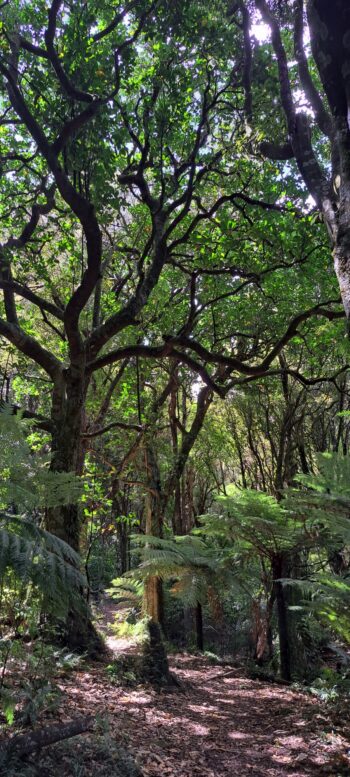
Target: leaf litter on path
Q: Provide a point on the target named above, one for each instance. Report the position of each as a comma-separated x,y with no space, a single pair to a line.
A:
214,727
218,724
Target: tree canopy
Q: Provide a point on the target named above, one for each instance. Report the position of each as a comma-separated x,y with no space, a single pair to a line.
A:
174,305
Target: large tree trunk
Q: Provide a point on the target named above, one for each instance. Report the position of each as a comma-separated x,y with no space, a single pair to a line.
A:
65,520
67,416
329,25
155,667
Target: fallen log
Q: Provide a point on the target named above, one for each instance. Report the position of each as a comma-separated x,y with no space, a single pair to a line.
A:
24,744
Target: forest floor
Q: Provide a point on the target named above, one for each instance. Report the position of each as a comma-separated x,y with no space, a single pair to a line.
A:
219,723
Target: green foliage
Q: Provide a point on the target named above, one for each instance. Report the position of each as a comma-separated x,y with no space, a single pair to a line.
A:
35,557
39,559
25,478
185,561
192,221
39,573
135,632
324,505
314,520
332,478
126,590
253,519
27,687
331,686
124,671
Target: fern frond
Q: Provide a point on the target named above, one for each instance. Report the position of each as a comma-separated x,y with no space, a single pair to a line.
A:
31,558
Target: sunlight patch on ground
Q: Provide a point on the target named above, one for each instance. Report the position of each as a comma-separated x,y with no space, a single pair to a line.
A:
203,709
238,735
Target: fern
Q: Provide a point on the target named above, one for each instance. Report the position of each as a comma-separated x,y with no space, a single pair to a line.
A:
126,590
25,479
324,504
187,562
27,551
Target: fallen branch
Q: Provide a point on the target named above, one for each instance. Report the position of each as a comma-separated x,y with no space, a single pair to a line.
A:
24,744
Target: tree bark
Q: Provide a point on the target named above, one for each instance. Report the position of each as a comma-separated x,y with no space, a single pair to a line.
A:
64,521
67,415
329,25
153,599
289,565
279,571
153,596
199,627
262,637
118,510
24,744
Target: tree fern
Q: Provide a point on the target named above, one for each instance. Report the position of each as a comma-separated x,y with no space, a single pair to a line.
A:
324,504
126,590
27,551
25,478
188,563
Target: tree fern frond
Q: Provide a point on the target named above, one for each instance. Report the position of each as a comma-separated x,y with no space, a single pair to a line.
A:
32,559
